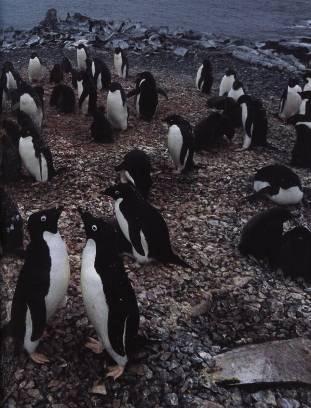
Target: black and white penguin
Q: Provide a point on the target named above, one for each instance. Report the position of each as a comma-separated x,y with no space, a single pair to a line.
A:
42,283
66,65
10,77
254,120
100,72
146,95
236,91
30,102
11,162
226,82
82,55
101,130
4,96
136,168
262,235
290,100
56,74
210,131
143,226
230,108
88,97
307,79
11,226
180,142
117,113
301,154
120,63
305,106
204,79
108,295
35,69
63,98
295,255
279,183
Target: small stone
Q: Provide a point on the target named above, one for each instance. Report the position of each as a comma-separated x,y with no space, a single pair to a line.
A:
99,389
172,399
180,51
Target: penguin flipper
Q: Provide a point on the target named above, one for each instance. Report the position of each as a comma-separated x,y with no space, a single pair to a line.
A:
282,101
162,92
37,310
82,97
259,194
135,237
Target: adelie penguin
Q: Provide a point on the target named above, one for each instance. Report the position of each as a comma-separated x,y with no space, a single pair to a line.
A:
236,91
135,169
226,82
120,63
180,142
307,79
30,102
108,295
66,65
63,98
290,100
88,97
56,74
11,162
82,55
101,130
305,106
35,69
117,113
10,77
42,283
100,72
229,107
146,95
279,183
143,226
301,154
204,78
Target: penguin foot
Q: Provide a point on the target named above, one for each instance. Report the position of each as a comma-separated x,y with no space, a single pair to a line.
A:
95,345
115,371
39,358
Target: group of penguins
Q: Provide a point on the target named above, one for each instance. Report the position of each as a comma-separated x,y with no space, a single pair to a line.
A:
138,228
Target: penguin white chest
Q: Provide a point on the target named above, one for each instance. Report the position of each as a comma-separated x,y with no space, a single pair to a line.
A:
34,69
28,105
307,86
235,93
197,79
93,68
121,219
81,59
117,62
116,111
302,108
175,142
290,196
226,84
31,161
11,82
291,105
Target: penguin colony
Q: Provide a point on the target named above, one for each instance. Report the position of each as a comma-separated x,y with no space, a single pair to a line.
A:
138,228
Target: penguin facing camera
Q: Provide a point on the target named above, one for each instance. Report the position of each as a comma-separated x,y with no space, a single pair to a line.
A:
120,63
117,112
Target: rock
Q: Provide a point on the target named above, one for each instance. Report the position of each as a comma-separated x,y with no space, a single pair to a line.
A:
180,51
265,396
99,389
287,403
50,20
172,400
207,44
34,40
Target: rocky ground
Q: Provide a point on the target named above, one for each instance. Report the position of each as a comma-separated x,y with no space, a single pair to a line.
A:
188,316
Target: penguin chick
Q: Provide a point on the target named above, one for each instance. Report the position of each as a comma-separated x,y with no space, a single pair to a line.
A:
56,74
63,98
101,130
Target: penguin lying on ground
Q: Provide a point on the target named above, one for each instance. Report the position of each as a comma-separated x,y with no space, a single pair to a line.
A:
120,63
82,55
279,183
204,78
236,91
180,143
100,73
307,78
108,295
42,283
143,226
101,130
11,161
117,113
56,74
135,169
227,82
290,100
35,69
63,98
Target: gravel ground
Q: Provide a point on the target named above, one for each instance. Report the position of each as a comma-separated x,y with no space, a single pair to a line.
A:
188,316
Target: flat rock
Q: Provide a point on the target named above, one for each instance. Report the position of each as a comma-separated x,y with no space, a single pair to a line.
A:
180,51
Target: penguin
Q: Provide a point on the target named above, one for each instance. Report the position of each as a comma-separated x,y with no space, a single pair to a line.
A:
210,131
204,79
120,63
295,255
143,226
290,100
180,143
30,102
108,296
279,183
88,97
117,113
35,69
301,154
66,65
135,169
63,98
230,108
226,82
101,130
56,74
236,91
254,120
10,77
305,106
11,226
261,237
82,55
11,162
42,283
100,73
307,78
146,95
4,96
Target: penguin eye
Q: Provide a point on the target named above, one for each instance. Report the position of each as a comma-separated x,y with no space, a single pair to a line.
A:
43,218
94,228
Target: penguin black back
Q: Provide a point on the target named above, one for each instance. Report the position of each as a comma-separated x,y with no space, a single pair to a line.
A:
11,161
206,79
301,154
63,98
56,74
101,130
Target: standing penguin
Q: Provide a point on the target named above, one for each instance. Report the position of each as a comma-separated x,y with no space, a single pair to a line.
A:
290,100
135,169
82,56
100,72
66,65
301,154
305,106
63,98
204,79
88,97
307,78
56,74
230,108
117,107
227,82
101,130
180,142
11,161
146,95
236,91
35,69
108,295
11,78
143,226
120,63
279,183
30,102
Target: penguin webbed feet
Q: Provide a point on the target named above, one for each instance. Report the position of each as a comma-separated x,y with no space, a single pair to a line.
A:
39,358
94,345
115,371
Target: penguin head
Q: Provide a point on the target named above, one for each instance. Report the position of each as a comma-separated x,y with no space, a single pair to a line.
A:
66,65
117,50
207,64
292,82
307,75
33,55
7,67
81,46
115,86
44,221
230,72
147,76
237,85
173,120
97,228
120,190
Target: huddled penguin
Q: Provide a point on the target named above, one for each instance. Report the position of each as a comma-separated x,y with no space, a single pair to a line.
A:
254,120
56,74
262,235
101,130
108,295
204,78
10,77
82,55
42,283
35,69
117,113
88,97
63,98
236,91
305,106
100,73
290,100
226,82
180,142
307,78
11,162
143,226
210,131
229,107
279,183
146,95
120,63
135,169
11,226
30,102
301,154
